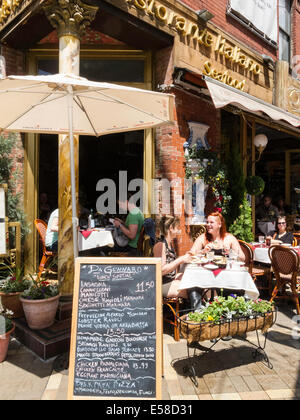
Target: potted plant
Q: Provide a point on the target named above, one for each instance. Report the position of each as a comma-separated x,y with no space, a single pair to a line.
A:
7,327
227,316
10,289
254,185
40,303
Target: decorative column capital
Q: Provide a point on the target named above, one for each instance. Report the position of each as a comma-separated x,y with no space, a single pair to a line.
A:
69,17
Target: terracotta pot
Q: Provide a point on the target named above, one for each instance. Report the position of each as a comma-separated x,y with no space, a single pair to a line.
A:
40,314
4,343
12,302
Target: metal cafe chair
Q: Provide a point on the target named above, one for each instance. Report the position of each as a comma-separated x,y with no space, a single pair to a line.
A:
256,270
285,263
41,227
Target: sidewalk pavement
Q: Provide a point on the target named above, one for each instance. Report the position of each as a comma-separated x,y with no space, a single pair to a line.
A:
227,372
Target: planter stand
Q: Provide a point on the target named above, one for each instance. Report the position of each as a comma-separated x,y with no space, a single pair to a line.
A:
262,322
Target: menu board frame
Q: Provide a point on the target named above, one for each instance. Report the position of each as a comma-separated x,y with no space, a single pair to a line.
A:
158,316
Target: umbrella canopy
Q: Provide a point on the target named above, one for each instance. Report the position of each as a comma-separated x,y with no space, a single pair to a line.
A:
68,104
39,104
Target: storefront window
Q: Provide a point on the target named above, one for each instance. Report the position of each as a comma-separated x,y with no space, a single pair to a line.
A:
102,70
284,29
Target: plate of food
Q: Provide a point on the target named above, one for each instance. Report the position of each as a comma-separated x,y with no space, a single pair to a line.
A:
211,266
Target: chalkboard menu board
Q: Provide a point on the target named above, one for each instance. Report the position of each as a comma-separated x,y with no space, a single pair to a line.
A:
116,338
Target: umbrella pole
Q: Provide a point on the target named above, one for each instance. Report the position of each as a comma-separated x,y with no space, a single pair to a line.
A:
72,164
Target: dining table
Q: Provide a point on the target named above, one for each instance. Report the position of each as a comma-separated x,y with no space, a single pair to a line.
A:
261,252
95,238
196,275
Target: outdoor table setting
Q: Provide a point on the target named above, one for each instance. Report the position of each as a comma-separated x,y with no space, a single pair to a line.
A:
231,276
95,238
261,251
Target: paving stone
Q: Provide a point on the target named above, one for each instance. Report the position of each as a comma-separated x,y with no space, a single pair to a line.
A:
256,395
269,382
239,384
205,397
252,383
226,397
219,385
275,394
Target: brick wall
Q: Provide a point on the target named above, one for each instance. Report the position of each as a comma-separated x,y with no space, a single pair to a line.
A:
15,60
296,29
15,64
169,152
231,26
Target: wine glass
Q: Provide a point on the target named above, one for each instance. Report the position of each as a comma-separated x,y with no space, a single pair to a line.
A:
210,256
261,240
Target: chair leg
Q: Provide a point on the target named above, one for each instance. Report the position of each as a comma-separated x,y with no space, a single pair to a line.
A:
295,295
176,326
42,265
274,293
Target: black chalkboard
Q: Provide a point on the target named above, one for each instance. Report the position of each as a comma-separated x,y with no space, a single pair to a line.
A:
115,344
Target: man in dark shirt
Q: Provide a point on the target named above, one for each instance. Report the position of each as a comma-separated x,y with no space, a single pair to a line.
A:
267,211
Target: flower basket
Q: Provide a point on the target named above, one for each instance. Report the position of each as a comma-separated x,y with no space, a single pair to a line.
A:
201,331
4,343
11,301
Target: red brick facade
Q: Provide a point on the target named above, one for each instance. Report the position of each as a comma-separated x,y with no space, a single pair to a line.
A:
231,26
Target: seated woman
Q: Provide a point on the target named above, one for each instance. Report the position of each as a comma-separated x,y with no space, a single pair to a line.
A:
170,262
281,234
216,238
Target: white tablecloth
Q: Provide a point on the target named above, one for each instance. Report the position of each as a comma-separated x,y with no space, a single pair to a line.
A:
96,239
195,276
261,255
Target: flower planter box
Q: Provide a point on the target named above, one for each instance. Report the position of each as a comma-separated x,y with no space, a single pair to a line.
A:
11,301
201,331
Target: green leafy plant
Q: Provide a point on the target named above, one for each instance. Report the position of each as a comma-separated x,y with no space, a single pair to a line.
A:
6,323
13,280
10,176
241,228
255,185
230,308
214,174
40,290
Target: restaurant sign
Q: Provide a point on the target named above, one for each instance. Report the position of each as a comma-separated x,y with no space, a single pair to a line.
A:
218,44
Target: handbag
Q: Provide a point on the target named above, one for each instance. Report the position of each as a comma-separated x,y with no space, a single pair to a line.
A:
119,238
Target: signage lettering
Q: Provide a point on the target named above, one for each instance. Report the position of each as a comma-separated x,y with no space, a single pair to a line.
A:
203,37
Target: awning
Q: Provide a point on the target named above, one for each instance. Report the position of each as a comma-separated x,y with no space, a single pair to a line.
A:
223,95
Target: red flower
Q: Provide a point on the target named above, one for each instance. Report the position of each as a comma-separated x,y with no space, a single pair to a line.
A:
218,209
13,278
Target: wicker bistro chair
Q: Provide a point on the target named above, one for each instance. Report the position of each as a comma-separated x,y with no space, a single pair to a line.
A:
174,305
41,227
256,270
285,263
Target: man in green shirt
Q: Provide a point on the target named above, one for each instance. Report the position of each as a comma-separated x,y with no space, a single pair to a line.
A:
132,226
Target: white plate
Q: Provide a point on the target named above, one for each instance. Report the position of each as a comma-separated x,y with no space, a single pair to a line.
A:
287,245
211,266
256,243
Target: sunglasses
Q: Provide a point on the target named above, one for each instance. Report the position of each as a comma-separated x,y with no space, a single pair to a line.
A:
281,223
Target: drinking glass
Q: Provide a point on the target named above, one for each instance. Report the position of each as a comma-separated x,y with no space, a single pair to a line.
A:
261,240
210,256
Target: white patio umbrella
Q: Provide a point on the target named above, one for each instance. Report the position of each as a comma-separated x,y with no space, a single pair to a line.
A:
68,104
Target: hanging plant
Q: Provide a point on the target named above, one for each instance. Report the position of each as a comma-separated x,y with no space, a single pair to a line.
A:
255,185
214,174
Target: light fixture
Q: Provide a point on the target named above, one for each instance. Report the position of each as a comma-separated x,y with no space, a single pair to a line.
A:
267,59
204,15
260,142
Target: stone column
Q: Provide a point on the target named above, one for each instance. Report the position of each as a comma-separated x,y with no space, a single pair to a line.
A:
70,18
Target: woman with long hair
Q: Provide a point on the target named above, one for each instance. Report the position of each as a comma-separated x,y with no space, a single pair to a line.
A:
281,233
216,238
169,230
